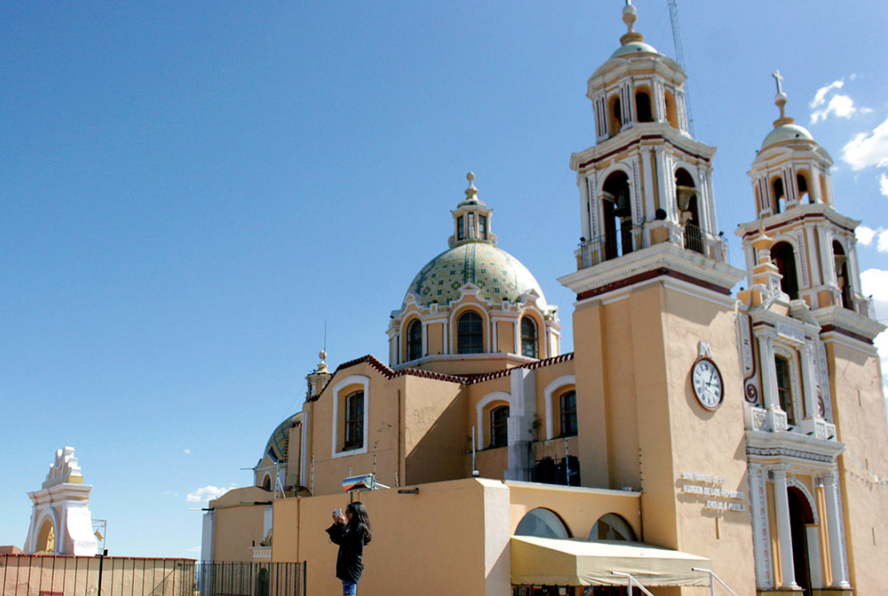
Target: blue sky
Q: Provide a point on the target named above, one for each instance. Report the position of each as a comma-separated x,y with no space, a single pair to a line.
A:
190,191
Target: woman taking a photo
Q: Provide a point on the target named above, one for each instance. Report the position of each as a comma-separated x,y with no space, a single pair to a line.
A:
351,533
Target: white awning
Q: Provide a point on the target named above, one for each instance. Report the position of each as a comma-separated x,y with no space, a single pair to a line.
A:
563,562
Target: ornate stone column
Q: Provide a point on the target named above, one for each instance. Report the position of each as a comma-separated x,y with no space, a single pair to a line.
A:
809,381
769,372
761,540
784,532
834,530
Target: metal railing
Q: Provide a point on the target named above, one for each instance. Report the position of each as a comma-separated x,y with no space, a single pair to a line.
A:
693,238
251,579
632,582
58,575
713,576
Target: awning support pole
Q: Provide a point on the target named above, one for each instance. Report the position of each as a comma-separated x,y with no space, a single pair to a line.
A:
712,576
633,581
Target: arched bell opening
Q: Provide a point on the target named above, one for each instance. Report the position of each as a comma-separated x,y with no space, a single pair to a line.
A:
778,199
687,202
617,216
615,116
804,188
843,280
643,108
783,257
671,110
800,517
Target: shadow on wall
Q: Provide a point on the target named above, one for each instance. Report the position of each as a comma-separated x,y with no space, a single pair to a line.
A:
439,455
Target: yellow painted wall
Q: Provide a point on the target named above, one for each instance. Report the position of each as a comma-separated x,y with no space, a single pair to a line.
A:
435,435
859,411
436,338
449,520
505,336
579,508
380,430
688,320
239,521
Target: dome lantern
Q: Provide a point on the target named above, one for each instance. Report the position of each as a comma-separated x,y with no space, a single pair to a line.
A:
471,218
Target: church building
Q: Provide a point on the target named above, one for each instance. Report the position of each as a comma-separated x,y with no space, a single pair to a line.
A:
694,435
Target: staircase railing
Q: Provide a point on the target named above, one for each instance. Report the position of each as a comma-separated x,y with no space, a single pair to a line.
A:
712,576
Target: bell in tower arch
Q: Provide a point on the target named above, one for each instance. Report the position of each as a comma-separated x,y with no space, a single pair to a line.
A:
623,208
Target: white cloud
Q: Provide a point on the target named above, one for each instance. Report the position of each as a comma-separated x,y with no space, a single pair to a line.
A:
193,549
883,185
186,451
865,235
206,493
874,282
868,149
839,104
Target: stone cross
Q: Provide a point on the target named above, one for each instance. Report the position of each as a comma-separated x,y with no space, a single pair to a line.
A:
777,76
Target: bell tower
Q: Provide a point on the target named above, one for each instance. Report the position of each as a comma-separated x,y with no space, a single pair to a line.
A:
646,181
813,412
657,374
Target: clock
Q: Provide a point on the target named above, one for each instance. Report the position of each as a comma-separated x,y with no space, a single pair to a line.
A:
706,381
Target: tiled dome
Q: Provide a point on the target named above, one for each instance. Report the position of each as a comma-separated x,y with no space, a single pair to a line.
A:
276,448
498,275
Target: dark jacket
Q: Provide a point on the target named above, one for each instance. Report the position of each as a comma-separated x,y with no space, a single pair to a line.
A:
351,541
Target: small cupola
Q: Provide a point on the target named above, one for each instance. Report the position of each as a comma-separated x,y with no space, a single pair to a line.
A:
637,86
471,218
790,169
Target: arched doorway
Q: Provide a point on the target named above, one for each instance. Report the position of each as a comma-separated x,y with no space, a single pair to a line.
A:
800,516
842,278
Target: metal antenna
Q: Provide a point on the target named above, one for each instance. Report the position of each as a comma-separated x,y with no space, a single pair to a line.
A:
679,56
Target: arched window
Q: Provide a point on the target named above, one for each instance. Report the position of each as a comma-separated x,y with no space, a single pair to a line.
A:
266,482
460,228
354,420
617,216
842,278
529,338
611,526
783,256
779,195
470,334
499,430
568,403
784,388
414,340
543,523
643,107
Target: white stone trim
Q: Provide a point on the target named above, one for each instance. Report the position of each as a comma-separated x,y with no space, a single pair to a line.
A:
479,411
551,388
364,381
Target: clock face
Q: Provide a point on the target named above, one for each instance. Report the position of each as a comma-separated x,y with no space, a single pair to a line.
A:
707,382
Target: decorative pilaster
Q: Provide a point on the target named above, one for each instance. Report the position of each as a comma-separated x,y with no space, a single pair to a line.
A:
784,532
834,529
809,382
761,531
